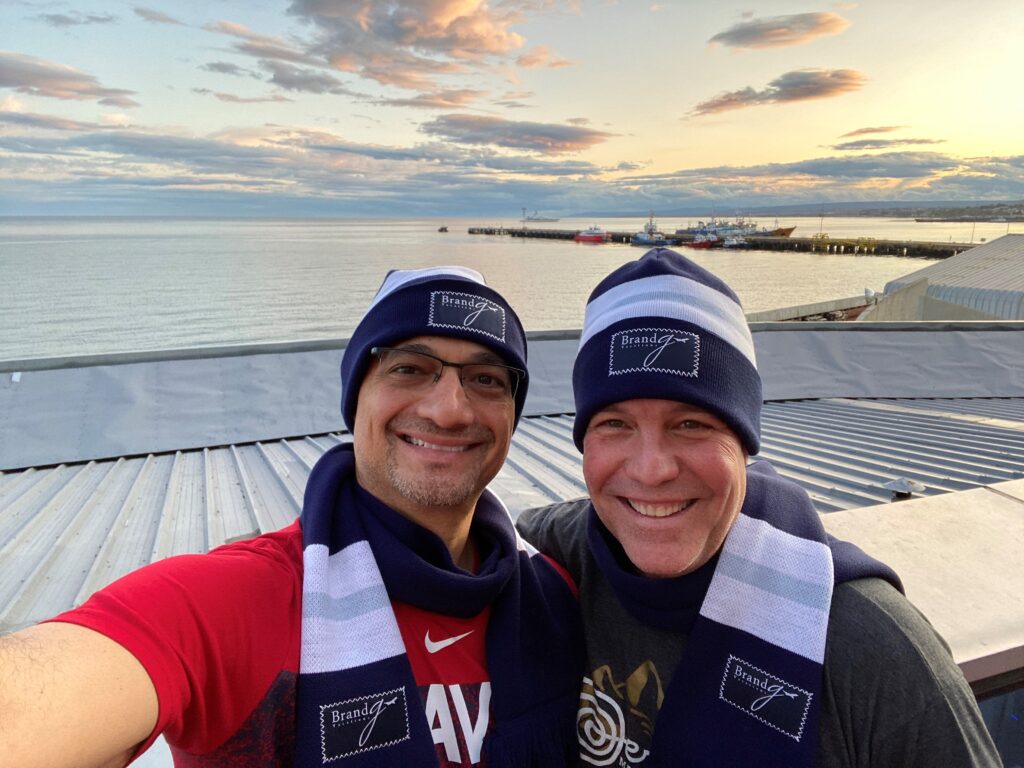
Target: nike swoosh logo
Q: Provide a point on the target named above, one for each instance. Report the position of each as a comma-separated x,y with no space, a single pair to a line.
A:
440,645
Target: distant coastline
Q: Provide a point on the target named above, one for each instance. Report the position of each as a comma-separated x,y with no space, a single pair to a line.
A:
937,211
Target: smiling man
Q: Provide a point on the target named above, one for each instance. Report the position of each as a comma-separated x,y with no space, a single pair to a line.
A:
723,627
399,622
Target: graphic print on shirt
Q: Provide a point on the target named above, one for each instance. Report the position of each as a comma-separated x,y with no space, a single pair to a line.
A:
448,656
433,646
612,712
458,717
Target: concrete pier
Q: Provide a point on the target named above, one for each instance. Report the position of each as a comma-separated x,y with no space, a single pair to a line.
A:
820,242
551,234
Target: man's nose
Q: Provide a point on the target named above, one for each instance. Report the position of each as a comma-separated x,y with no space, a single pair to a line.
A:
446,403
650,462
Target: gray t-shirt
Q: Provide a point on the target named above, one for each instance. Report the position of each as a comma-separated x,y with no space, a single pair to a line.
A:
892,696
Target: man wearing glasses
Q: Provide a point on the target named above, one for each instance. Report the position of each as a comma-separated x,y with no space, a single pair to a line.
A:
400,621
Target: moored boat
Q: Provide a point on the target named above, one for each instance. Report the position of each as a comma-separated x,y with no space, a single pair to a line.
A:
536,216
592,234
650,235
721,228
709,240
738,228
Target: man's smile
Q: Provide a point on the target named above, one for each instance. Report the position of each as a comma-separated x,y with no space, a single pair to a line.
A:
658,509
435,446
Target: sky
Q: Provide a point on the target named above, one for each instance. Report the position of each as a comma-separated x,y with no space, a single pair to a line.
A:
467,108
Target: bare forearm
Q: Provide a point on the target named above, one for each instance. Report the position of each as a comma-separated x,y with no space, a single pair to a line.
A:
71,697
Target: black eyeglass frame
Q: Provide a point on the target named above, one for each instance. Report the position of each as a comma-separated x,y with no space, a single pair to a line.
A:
518,374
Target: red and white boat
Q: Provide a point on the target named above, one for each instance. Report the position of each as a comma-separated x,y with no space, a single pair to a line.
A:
706,241
592,234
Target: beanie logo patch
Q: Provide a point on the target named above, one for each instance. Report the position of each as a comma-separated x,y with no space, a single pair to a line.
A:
453,309
654,350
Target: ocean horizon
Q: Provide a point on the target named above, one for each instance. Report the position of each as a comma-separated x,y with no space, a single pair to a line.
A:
92,285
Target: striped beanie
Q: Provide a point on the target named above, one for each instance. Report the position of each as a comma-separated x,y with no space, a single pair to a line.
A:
662,327
436,301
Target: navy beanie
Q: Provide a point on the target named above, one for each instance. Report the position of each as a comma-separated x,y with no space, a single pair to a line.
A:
664,328
437,301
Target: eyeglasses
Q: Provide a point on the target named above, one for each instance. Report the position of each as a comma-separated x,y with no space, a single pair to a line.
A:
414,371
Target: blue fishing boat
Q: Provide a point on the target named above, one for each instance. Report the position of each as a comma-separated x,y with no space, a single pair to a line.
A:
650,235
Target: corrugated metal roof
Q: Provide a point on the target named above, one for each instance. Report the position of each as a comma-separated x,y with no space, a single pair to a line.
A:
67,530
102,407
988,278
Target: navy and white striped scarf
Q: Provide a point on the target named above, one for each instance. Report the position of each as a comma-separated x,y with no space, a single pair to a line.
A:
747,690
357,700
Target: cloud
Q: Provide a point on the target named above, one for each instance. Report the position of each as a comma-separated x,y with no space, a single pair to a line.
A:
46,122
411,43
253,168
155,17
893,165
399,69
988,177
545,138
406,44
863,144
889,176
539,56
460,28
451,157
115,120
879,177
38,77
75,19
781,31
303,80
867,131
514,99
534,167
447,99
227,68
800,85
508,104
263,46
297,171
189,154
231,98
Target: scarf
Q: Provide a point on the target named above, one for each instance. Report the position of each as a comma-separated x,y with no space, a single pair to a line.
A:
747,690
356,695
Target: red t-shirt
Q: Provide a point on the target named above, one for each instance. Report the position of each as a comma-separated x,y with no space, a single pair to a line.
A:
219,635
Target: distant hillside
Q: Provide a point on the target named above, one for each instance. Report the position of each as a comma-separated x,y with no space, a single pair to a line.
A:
956,210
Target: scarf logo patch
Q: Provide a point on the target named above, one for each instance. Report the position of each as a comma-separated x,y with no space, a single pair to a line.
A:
654,350
364,723
765,697
453,309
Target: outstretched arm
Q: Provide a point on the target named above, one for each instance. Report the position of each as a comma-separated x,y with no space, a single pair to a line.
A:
70,696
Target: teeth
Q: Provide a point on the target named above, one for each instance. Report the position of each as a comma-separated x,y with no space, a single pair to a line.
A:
658,510
432,446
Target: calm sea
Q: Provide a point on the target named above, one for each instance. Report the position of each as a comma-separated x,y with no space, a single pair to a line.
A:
72,286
